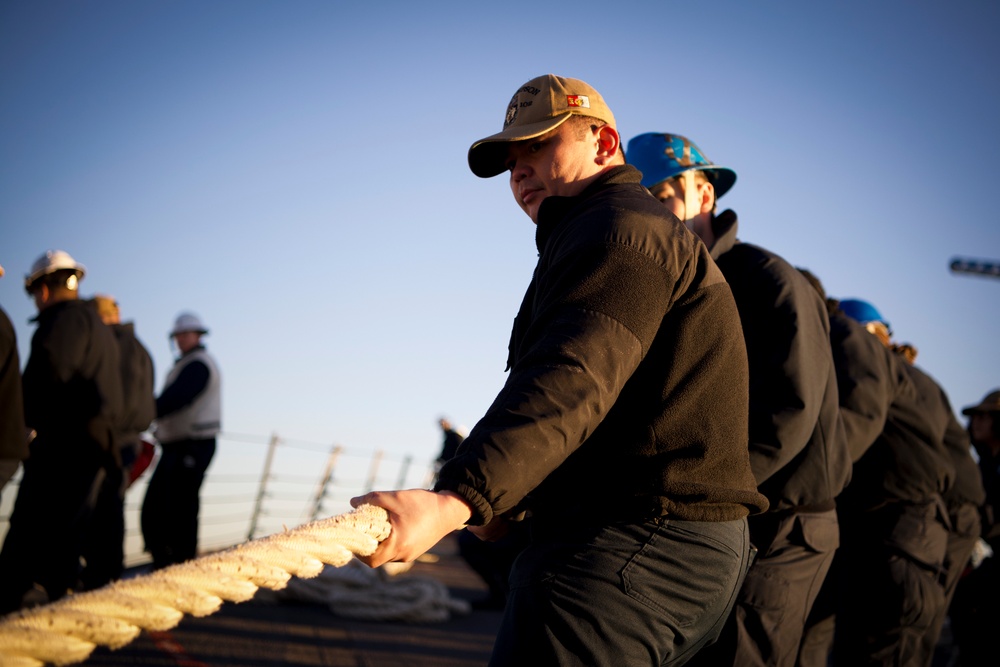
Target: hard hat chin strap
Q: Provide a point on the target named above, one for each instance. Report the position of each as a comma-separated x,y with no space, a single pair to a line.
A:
692,203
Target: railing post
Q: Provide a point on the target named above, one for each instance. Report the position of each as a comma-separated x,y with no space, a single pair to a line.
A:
403,470
324,483
373,471
431,476
262,487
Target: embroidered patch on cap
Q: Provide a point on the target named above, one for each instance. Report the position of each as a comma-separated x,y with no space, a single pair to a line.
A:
579,101
511,113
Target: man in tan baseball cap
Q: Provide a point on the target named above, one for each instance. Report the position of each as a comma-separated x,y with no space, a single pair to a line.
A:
572,122
625,410
539,106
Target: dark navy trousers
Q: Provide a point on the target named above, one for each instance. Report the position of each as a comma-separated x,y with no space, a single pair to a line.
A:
621,593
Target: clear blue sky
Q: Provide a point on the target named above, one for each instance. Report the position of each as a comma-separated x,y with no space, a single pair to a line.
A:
295,173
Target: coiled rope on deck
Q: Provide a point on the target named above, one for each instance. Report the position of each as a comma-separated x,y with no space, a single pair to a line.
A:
360,592
68,630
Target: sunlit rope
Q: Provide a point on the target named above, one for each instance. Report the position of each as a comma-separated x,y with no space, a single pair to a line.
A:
68,630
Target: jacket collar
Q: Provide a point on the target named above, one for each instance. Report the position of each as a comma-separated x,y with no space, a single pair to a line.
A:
197,348
555,209
725,227
51,310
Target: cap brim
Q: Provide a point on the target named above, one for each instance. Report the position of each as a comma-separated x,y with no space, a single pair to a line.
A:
487,156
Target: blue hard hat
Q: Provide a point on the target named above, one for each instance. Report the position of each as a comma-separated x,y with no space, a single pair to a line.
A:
661,156
862,311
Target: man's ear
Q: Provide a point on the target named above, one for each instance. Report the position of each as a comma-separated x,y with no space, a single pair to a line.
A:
608,144
706,197
43,293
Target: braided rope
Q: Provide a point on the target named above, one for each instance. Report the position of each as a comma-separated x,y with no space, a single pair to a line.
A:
68,630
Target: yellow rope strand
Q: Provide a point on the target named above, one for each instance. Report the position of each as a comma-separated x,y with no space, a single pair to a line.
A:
67,631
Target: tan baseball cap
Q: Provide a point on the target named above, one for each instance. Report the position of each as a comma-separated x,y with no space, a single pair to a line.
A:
539,106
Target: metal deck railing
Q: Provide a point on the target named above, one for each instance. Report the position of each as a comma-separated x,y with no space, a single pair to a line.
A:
260,485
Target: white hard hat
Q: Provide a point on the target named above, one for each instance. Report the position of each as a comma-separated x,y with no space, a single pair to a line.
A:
52,261
188,322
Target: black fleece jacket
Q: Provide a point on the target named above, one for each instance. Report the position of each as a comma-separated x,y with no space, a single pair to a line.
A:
797,447
909,461
870,378
72,381
968,487
627,391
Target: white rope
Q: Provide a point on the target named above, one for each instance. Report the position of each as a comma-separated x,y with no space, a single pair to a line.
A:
67,631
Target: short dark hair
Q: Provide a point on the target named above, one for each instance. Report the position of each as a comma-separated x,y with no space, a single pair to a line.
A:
813,280
585,124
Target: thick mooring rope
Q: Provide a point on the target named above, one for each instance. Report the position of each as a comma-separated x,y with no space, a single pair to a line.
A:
68,630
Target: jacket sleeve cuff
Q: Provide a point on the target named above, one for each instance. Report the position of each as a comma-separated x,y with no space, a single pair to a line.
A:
482,512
